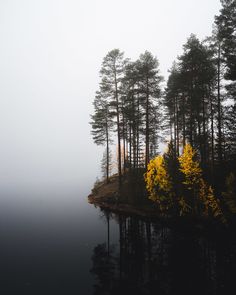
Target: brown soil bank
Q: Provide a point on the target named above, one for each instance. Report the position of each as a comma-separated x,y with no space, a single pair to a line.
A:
130,200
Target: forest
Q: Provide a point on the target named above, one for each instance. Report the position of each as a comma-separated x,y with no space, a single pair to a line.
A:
193,114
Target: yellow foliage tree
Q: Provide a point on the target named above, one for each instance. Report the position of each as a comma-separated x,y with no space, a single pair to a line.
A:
158,183
194,195
209,202
204,201
192,173
190,167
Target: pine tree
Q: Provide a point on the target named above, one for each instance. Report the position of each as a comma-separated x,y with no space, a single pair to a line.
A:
230,136
226,23
173,102
112,73
106,165
189,100
101,126
149,82
215,45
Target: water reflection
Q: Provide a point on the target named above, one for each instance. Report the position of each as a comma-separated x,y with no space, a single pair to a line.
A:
159,259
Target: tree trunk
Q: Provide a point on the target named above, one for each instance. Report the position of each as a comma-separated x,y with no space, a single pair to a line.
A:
147,125
107,149
118,133
212,140
219,107
184,130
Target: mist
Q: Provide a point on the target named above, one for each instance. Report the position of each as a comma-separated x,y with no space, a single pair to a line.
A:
50,56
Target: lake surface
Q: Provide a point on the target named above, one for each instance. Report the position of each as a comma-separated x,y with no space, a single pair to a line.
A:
53,242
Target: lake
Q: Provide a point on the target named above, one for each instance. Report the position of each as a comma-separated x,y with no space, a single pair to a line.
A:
54,242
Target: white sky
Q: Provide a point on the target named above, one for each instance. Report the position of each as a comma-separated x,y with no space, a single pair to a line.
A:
50,55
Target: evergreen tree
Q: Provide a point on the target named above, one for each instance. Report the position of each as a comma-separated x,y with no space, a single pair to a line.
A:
230,136
226,24
150,88
215,45
134,113
101,126
106,165
112,73
174,104
189,100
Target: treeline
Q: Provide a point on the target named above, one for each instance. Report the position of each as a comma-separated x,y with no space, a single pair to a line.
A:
197,106
127,103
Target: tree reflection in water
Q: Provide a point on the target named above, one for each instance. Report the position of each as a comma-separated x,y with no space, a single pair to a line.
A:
158,259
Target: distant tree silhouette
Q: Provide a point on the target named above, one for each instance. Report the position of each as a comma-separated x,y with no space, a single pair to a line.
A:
101,128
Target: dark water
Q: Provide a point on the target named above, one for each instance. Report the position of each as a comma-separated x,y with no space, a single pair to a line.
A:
56,243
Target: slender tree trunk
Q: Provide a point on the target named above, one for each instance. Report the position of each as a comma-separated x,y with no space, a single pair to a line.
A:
107,150
191,117
134,148
138,123
133,133
147,125
204,145
212,140
184,127
219,107
123,131
171,133
174,125
118,133
177,127
130,144
200,140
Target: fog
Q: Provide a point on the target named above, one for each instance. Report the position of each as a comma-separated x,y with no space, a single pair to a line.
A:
50,55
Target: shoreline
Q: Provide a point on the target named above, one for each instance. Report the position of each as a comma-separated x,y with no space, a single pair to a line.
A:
126,209
105,195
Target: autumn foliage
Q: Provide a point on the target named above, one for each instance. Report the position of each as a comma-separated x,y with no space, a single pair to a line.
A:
191,195
158,183
190,167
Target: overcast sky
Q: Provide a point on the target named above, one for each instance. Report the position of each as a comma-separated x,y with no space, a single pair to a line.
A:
50,55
